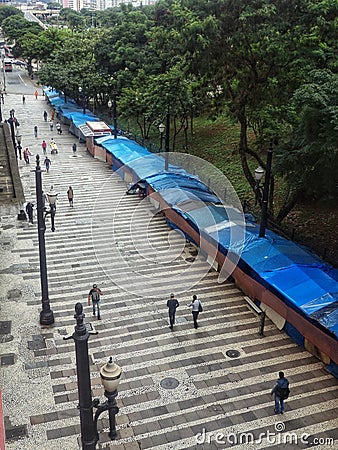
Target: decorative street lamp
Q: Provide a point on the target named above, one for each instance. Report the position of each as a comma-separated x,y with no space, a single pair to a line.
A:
113,113
166,144
51,198
110,377
82,99
161,129
259,172
18,137
11,121
46,315
266,186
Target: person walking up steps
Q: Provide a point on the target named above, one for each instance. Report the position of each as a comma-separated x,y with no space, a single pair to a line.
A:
44,147
196,309
70,195
172,304
45,116
36,93
35,131
94,297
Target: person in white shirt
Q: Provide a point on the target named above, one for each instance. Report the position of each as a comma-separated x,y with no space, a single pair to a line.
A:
196,306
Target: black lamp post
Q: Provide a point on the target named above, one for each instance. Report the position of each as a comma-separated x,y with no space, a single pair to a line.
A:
113,113
110,376
46,315
82,98
161,129
166,144
11,124
114,116
18,138
265,196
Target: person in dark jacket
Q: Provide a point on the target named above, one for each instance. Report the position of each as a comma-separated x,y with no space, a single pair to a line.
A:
172,304
29,211
94,296
280,392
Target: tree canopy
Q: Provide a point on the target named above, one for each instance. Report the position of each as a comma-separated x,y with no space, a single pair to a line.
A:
271,65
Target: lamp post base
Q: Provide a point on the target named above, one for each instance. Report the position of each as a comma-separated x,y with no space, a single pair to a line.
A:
46,318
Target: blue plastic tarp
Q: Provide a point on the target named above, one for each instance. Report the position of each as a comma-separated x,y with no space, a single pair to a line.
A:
300,276
176,188
79,119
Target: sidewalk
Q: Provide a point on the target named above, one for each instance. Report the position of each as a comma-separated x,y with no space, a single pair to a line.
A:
218,391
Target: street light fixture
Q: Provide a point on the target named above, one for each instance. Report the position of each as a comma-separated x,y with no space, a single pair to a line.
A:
18,138
114,116
167,137
46,315
82,99
51,198
11,121
161,129
113,113
259,172
110,377
110,106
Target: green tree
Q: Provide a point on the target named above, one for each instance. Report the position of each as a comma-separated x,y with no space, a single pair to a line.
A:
74,20
7,11
309,160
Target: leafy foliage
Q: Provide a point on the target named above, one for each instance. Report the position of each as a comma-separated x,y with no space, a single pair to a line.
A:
269,65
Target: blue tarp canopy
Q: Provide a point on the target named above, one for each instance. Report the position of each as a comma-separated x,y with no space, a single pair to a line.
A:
79,119
300,276
176,188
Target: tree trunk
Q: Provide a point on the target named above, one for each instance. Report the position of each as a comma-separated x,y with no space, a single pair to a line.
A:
290,202
243,147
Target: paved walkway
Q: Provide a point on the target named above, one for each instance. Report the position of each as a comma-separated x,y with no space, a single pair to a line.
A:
217,395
